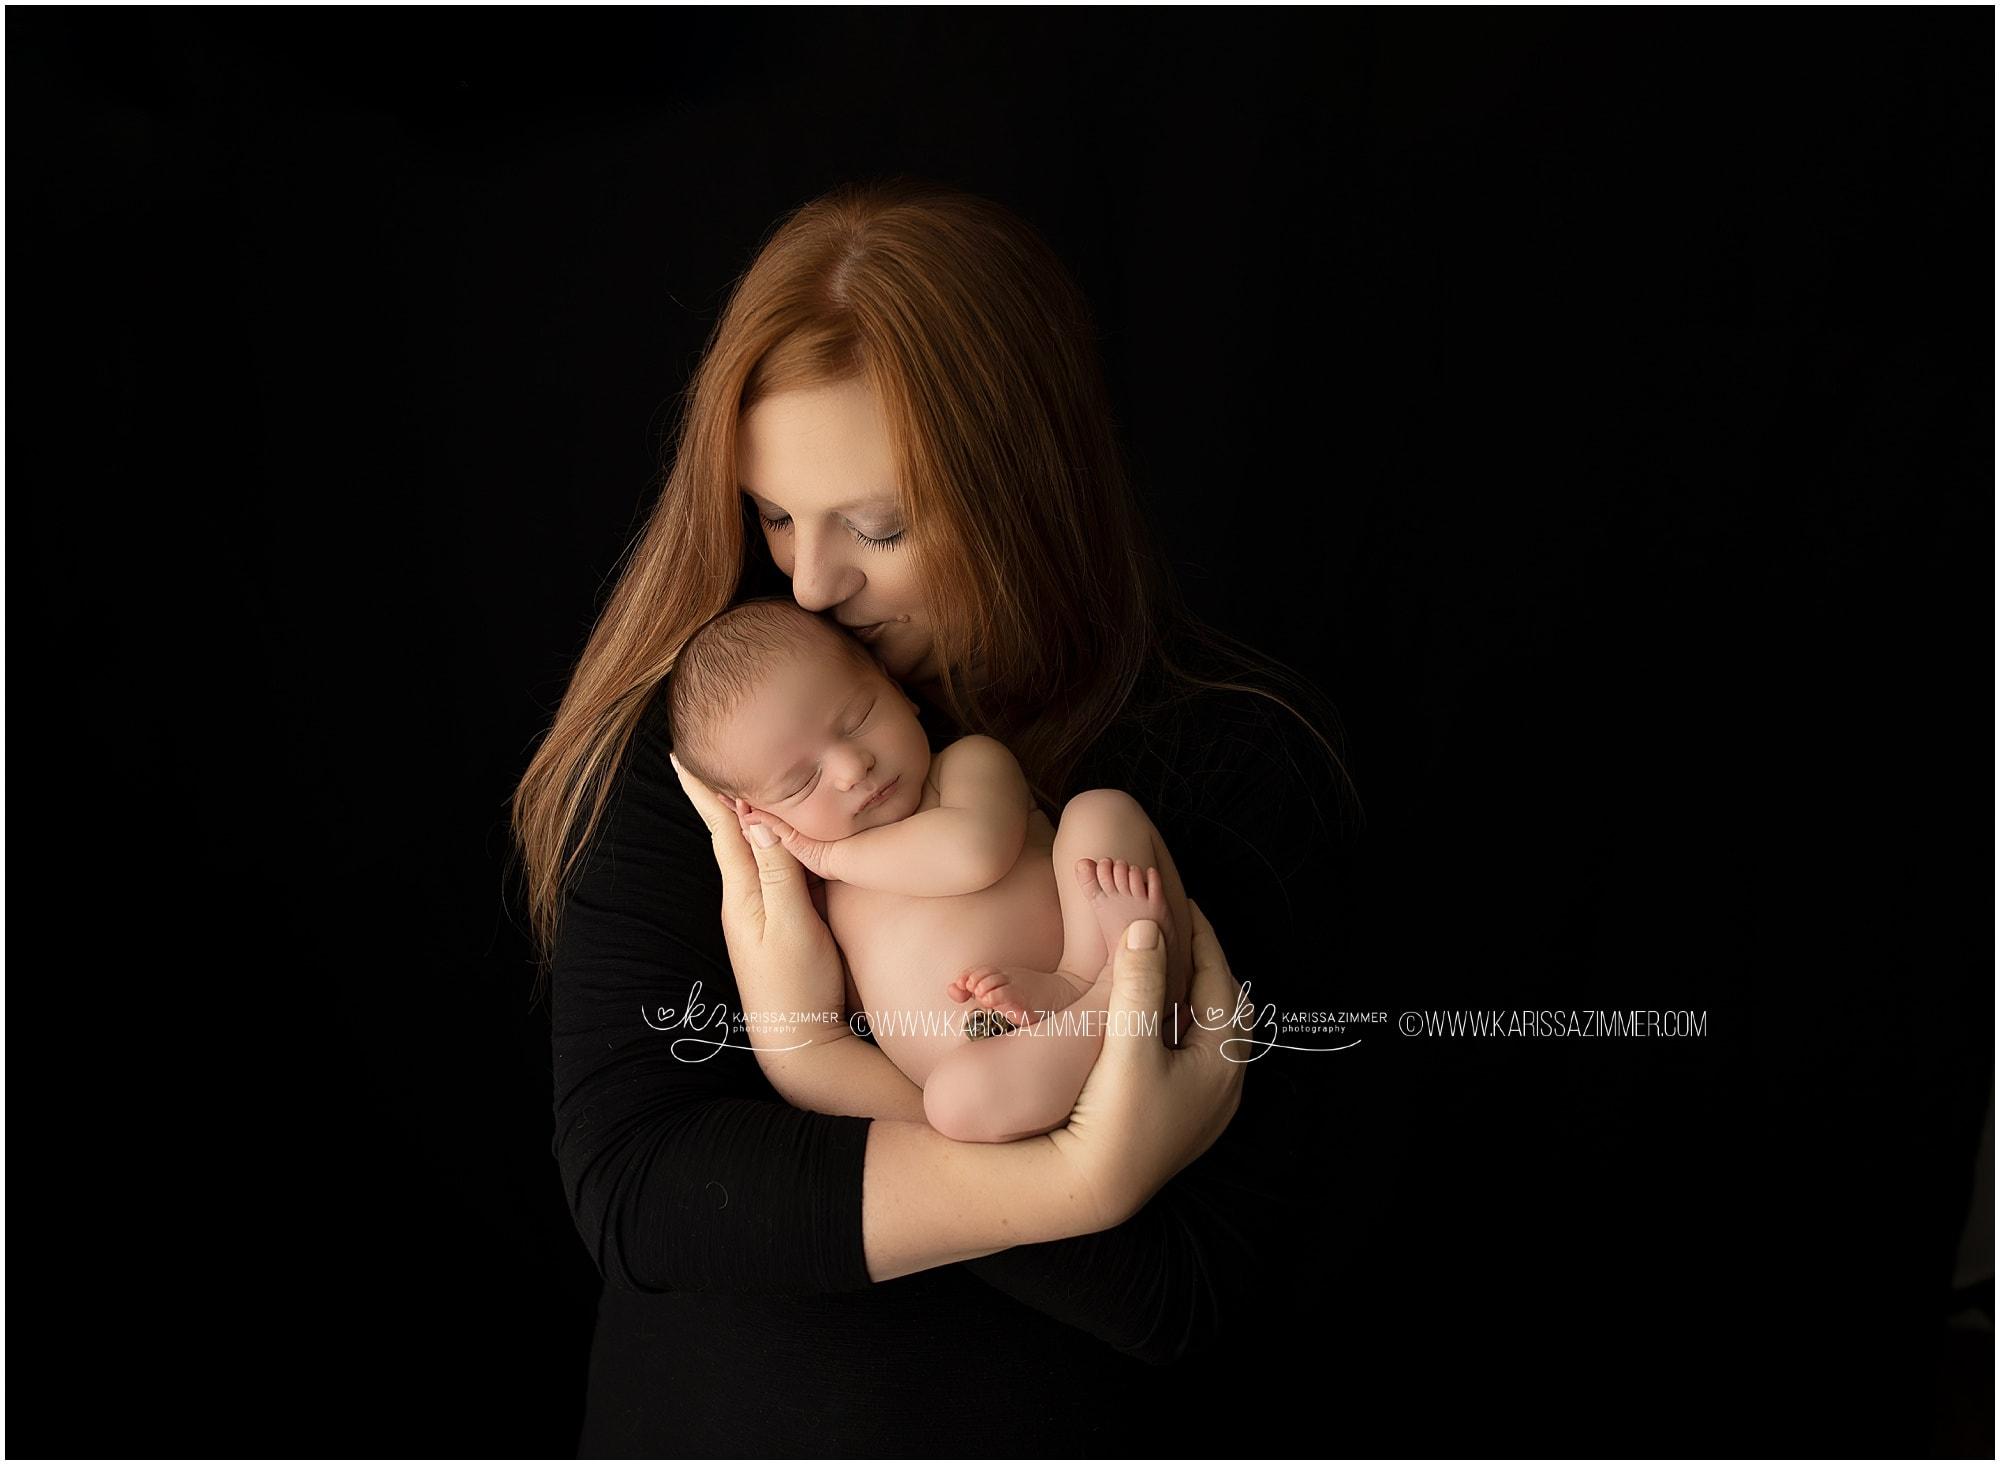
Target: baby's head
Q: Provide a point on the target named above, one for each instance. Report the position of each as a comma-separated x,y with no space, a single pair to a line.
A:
769,703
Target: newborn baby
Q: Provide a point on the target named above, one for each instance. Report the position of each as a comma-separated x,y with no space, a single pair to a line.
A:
976,936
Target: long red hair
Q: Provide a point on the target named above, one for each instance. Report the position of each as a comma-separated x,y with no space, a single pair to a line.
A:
1038,568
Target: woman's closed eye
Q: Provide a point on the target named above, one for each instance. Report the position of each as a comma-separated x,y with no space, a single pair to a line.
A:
780,524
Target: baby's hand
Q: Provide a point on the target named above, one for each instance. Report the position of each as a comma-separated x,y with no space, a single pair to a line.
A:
815,854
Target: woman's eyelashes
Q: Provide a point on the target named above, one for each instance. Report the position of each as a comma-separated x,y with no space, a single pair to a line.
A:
780,524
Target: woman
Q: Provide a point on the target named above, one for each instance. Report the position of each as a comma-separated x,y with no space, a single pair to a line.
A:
901,419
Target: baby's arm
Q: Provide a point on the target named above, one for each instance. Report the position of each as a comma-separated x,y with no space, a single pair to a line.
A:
844,1074
838,1072
971,839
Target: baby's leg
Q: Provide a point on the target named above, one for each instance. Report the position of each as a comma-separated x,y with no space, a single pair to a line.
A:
1103,848
1021,1083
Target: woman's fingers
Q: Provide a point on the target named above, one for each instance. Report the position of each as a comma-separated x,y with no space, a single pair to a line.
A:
1138,993
783,878
1220,1014
732,853
764,891
714,810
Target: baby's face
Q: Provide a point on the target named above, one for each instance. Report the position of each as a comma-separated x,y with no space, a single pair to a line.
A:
828,747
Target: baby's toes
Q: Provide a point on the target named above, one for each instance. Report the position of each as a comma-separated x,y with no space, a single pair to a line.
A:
1086,876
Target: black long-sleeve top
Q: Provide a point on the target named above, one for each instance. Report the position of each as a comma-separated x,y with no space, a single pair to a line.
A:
738,1317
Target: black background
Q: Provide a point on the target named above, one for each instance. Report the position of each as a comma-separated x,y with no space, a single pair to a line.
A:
1595,403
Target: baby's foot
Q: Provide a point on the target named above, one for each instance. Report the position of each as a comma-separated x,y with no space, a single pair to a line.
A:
1021,996
1122,893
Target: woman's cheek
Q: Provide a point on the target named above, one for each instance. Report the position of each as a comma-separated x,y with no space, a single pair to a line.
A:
913,654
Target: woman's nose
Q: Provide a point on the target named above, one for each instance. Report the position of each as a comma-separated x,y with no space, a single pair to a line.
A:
821,576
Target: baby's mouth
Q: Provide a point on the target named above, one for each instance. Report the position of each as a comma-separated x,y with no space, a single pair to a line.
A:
879,794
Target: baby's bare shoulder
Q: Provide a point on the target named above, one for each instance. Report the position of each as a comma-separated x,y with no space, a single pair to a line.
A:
975,766
974,747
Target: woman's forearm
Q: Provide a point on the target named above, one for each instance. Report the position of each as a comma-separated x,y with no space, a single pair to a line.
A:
927,1201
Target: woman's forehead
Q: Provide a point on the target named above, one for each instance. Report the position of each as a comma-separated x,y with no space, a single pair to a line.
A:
818,449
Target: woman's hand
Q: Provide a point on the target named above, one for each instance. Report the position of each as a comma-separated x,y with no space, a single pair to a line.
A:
1148,1109
815,854
783,955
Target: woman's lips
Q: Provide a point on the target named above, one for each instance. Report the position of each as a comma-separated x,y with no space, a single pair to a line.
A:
874,629
880,794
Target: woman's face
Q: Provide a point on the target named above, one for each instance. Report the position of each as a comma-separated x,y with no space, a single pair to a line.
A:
816,465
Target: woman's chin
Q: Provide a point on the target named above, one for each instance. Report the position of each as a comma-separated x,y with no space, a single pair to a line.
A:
908,665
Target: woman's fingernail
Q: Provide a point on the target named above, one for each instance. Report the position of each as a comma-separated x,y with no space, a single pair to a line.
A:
761,836
1142,935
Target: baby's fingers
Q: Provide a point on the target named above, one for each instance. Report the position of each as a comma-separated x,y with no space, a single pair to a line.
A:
753,817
